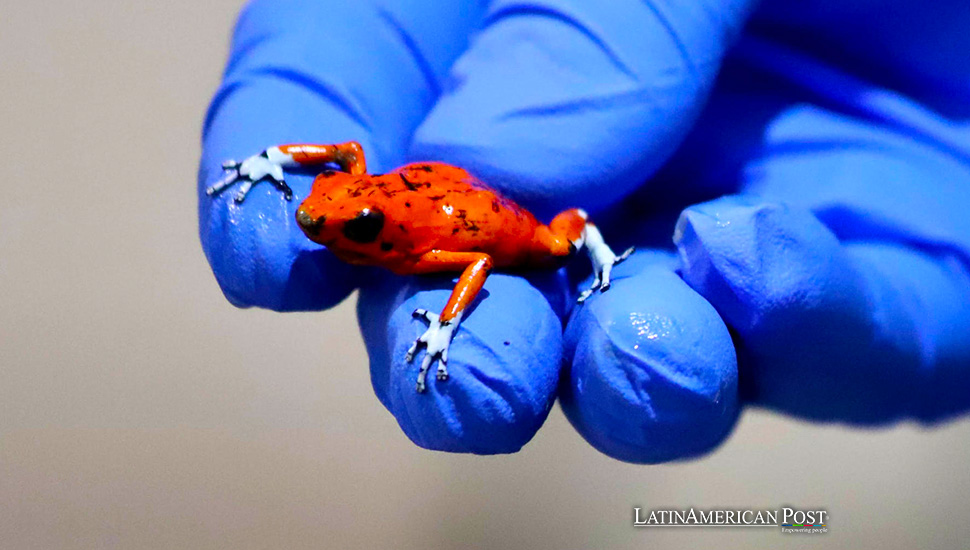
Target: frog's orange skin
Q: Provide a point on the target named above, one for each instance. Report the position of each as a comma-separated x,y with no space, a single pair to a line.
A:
424,217
427,206
436,218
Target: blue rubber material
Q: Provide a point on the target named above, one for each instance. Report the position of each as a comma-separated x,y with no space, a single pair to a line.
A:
830,282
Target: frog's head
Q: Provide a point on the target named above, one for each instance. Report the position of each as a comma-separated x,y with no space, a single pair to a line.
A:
362,227
341,221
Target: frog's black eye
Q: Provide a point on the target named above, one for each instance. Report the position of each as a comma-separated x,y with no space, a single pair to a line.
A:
365,227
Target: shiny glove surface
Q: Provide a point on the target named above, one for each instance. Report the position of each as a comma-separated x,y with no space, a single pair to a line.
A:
822,270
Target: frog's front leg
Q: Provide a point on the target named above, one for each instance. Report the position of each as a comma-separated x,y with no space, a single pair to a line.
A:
269,164
441,328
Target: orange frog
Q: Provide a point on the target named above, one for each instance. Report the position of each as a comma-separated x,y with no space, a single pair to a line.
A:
425,217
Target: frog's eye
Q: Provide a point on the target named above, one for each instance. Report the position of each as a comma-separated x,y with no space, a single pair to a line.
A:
365,227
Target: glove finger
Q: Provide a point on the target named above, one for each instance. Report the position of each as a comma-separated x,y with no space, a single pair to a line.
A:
503,362
868,180
652,374
314,72
864,332
594,99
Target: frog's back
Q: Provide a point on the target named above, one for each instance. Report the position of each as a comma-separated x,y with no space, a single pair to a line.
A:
446,208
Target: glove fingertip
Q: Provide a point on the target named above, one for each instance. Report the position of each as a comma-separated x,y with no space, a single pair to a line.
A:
503,363
653,374
260,260
830,330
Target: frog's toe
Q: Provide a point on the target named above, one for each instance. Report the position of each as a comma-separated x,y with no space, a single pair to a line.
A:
607,273
426,315
247,184
605,278
284,187
625,255
412,350
584,295
423,373
226,181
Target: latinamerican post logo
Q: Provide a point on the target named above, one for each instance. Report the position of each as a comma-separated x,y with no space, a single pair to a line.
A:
789,520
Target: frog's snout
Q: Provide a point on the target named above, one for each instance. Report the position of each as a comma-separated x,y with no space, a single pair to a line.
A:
311,226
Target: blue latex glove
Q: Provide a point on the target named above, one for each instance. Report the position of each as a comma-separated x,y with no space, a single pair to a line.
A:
841,268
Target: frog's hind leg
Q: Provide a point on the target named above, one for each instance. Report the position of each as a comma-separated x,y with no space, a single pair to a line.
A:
603,259
573,227
441,328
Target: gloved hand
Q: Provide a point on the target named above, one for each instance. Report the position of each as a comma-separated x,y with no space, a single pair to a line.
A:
840,263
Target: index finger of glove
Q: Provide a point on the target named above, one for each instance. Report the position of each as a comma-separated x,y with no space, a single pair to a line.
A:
314,72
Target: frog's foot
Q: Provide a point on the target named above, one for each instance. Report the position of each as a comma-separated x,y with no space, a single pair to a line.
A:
436,341
603,260
254,169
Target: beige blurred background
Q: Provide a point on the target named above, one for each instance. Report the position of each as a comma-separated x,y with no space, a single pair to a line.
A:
139,410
